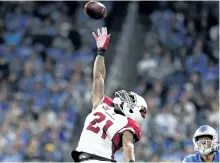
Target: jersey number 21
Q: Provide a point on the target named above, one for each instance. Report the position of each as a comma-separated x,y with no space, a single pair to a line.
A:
101,117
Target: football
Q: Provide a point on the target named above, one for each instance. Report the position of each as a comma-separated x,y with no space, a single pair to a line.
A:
95,10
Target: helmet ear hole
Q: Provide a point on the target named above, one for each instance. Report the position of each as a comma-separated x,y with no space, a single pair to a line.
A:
131,111
132,98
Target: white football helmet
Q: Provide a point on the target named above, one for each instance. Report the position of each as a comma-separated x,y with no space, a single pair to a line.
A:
202,146
131,104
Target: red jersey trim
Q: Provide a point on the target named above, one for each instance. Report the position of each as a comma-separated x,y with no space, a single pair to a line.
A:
117,138
107,100
134,128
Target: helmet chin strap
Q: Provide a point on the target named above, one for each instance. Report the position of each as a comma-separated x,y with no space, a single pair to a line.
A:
117,100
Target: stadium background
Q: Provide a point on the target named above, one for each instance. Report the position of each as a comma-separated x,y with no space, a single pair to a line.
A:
166,51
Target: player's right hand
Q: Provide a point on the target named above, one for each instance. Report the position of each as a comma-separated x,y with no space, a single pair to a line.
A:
102,38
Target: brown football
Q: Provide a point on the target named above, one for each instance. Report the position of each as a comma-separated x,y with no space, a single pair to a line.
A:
95,10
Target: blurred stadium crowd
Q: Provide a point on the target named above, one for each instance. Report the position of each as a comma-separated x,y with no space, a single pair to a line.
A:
180,78
46,57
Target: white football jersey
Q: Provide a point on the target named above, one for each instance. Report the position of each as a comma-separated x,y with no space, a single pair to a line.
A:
102,131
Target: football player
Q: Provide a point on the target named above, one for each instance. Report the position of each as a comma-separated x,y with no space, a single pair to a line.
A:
112,123
205,141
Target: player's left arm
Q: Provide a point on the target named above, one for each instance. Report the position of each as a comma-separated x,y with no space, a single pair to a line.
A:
128,146
102,38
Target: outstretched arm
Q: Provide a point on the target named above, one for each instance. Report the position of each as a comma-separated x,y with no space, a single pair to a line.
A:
102,39
98,80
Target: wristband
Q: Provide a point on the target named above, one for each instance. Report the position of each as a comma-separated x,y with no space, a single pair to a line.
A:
101,52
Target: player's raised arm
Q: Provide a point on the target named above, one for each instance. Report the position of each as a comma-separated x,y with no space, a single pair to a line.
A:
102,38
128,147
